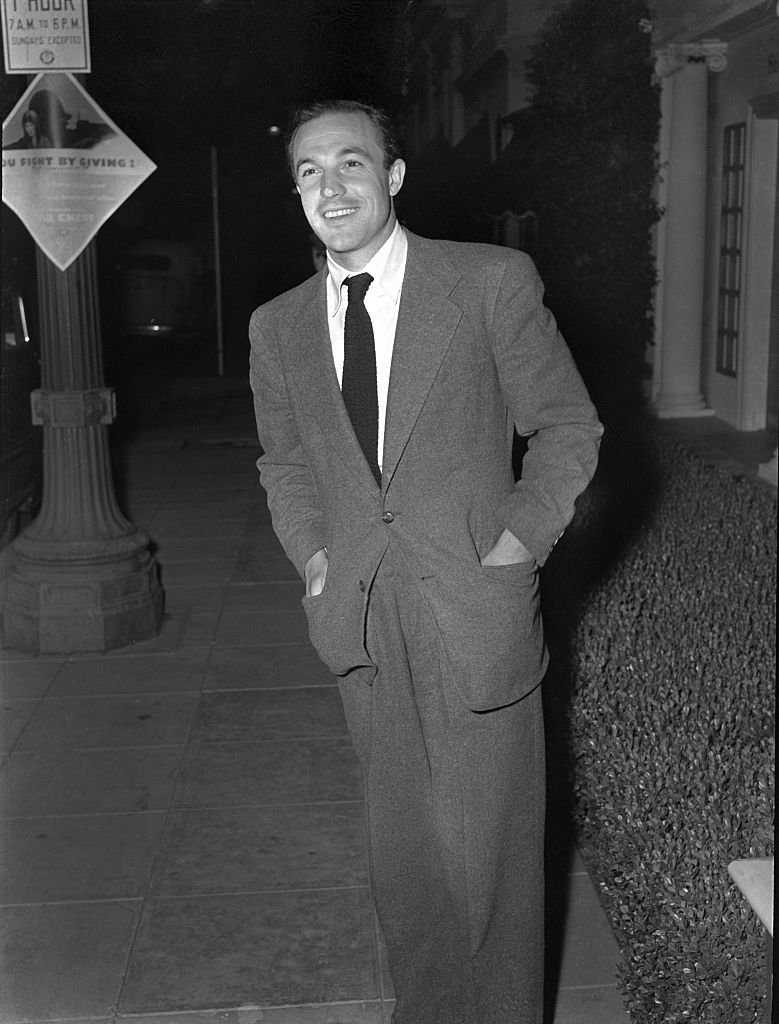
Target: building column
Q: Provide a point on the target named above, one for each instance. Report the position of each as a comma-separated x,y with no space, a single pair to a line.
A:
684,71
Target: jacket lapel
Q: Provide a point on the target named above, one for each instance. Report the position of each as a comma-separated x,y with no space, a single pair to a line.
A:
427,320
311,362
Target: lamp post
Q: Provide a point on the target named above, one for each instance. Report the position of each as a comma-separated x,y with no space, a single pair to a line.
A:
82,576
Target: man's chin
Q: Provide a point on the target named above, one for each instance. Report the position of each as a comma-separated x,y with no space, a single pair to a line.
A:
338,238
339,246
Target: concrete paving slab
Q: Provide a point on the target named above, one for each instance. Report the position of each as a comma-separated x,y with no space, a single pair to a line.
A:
27,679
149,720
132,673
266,667
328,1013
64,959
285,627
297,714
63,782
16,716
262,950
79,857
263,849
277,772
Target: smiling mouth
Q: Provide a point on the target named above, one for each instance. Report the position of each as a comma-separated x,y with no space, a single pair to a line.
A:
335,214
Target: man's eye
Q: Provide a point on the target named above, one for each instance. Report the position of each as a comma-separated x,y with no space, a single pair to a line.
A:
307,171
353,163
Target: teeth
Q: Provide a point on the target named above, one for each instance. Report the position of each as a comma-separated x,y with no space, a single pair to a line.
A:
339,213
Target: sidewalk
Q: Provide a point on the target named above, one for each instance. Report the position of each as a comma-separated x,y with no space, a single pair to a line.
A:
183,837
738,452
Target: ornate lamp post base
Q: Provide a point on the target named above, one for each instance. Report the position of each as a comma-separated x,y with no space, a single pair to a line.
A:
62,599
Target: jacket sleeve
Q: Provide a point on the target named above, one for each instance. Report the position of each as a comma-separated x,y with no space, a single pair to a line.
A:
284,471
550,407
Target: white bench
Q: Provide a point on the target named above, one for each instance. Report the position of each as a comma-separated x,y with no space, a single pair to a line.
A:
755,878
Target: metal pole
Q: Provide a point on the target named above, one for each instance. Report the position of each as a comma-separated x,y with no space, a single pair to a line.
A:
217,261
82,576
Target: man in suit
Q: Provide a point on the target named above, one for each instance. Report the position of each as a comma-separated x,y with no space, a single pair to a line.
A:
391,489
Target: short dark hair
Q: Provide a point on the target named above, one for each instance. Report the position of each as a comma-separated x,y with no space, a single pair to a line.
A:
381,120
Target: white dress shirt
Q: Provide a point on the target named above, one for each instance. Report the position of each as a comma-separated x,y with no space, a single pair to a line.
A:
382,301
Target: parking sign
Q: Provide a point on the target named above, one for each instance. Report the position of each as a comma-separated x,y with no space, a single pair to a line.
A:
45,35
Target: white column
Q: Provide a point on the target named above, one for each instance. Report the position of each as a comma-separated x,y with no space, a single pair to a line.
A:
684,70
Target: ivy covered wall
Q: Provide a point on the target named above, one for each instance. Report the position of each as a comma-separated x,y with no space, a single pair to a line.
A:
583,158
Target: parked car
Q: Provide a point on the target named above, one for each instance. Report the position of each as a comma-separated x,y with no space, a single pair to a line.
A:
162,290
21,444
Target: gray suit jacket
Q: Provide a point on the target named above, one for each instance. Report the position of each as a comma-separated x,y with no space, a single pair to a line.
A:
475,353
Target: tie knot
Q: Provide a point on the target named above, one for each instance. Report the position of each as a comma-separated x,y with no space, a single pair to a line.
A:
357,286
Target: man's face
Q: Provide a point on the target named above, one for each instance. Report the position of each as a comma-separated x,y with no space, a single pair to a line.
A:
344,186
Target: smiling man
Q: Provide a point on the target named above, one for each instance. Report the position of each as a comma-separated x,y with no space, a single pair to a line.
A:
346,185
387,390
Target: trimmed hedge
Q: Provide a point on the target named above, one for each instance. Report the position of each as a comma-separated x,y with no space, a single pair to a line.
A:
672,725
586,164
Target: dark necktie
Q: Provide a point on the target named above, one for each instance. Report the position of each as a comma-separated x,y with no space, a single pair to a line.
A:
358,385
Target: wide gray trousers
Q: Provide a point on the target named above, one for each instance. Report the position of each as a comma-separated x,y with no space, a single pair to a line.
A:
456,823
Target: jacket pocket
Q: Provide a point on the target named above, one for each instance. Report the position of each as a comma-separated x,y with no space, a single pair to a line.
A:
336,627
489,622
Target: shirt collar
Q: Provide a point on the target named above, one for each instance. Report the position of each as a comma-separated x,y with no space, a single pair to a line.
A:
386,268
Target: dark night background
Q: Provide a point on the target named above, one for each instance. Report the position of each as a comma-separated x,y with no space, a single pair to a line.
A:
182,76
184,79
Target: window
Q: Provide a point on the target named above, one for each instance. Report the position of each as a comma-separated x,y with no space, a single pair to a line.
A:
731,219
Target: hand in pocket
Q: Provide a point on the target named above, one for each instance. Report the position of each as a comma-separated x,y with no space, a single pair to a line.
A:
316,573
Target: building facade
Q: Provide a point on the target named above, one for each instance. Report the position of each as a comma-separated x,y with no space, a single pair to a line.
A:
466,78
717,62
468,65
716,245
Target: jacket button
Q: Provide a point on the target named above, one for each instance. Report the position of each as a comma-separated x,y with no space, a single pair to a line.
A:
388,518
361,585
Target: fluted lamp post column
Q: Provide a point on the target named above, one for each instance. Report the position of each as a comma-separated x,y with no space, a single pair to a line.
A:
82,576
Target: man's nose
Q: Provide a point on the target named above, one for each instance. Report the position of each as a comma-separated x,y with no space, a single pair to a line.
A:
331,185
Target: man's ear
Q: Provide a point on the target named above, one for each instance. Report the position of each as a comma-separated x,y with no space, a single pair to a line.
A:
397,173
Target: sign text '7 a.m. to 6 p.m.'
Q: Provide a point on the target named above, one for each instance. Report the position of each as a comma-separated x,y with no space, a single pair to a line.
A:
45,35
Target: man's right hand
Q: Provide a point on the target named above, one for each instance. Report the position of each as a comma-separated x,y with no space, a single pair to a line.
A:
316,572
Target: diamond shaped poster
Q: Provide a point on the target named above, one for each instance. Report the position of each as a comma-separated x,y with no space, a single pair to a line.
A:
66,166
